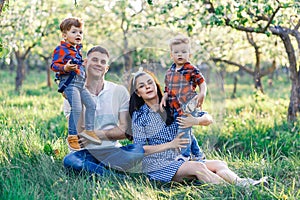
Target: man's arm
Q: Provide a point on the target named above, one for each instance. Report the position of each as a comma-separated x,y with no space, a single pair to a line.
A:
116,133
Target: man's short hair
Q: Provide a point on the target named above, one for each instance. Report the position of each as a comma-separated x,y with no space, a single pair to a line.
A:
67,23
179,39
98,49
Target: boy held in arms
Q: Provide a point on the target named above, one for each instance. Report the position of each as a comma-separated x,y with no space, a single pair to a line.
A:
67,63
181,81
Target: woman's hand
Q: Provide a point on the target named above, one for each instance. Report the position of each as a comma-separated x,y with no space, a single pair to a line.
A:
188,121
178,142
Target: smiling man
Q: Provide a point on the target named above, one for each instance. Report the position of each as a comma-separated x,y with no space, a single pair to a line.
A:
111,122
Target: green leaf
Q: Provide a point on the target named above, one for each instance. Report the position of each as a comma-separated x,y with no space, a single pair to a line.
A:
268,33
150,2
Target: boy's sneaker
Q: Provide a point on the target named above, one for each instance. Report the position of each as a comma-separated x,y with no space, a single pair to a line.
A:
73,142
90,136
190,106
182,158
246,182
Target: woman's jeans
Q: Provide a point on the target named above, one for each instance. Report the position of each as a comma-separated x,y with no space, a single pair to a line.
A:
97,160
77,95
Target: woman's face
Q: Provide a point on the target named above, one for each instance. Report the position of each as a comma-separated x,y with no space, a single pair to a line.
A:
146,87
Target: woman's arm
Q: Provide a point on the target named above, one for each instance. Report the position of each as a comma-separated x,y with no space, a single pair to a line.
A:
189,121
177,143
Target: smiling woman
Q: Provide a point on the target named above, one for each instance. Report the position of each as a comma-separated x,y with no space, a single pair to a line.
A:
158,135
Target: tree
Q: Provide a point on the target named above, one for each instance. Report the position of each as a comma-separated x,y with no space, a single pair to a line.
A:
257,17
3,4
22,27
256,73
263,17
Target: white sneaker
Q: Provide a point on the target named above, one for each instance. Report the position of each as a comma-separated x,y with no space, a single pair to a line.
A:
246,182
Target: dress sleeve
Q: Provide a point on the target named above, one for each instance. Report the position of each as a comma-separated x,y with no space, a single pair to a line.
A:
138,131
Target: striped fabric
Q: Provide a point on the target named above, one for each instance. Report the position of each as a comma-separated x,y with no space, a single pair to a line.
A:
181,84
62,54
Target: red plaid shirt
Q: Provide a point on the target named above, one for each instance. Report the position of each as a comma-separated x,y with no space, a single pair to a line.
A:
181,84
62,54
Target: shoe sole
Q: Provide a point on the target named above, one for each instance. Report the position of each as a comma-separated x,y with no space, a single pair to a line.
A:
72,147
91,139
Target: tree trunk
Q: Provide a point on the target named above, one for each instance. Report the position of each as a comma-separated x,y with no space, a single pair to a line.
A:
20,71
49,82
127,61
233,96
294,76
257,82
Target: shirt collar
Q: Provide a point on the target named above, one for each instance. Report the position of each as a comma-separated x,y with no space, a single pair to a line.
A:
68,45
173,67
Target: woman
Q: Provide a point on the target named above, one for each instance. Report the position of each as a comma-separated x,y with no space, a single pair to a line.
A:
157,132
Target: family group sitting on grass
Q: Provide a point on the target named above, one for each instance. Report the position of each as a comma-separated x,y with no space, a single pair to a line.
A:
159,123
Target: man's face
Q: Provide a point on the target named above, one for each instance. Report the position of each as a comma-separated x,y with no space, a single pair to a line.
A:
96,65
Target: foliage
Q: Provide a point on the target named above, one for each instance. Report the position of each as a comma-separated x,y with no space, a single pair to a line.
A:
32,143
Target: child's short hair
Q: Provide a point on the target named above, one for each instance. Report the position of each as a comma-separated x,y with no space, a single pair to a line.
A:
98,49
179,39
67,23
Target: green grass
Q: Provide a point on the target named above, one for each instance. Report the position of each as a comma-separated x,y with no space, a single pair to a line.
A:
250,133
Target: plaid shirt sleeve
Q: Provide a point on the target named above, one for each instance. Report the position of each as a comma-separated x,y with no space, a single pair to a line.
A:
198,77
166,83
58,59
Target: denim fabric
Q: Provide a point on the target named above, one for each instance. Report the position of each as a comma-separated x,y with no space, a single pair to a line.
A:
123,159
192,147
77,95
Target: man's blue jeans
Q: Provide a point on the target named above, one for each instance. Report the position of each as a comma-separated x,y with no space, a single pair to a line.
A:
96,160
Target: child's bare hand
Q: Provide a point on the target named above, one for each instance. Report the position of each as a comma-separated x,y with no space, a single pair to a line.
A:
70,67
163,103
200,100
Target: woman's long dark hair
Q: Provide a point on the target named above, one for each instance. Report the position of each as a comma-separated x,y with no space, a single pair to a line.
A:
136,102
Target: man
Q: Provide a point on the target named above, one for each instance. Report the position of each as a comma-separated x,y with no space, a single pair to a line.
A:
111,122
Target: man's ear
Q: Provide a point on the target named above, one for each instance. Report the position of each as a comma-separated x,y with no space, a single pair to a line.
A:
106,69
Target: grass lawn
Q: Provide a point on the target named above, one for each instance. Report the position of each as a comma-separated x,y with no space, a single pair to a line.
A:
250,133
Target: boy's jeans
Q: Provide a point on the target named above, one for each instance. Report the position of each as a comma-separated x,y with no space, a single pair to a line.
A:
192,146
77,95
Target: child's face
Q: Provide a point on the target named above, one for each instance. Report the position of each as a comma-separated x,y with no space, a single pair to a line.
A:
180,54
73,36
